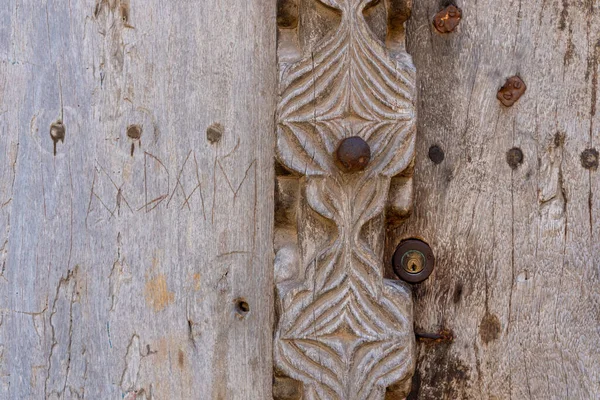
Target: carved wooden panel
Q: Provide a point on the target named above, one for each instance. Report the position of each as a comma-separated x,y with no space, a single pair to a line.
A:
343,331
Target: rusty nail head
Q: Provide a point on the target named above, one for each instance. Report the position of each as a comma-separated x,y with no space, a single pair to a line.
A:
445,335
447,20
413,261
354,154
512,91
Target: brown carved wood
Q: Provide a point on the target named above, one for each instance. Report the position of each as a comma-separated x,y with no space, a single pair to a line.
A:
343,332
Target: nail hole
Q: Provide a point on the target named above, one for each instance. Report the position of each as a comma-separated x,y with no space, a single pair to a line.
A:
134,132
57,133
589,159
514,157
436,154
242,307
214,133
125,12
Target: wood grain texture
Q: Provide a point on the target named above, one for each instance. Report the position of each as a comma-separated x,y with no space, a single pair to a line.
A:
343,332
518,250
124,257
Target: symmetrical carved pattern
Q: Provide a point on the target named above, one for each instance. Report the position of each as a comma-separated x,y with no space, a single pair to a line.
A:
343,330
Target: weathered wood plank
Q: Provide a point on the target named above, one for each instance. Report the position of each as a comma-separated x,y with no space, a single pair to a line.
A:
345,129
517,249
124,256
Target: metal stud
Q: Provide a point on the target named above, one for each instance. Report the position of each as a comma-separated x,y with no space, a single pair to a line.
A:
354,154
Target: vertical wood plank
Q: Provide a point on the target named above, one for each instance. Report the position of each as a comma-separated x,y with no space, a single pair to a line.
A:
126,255
517,249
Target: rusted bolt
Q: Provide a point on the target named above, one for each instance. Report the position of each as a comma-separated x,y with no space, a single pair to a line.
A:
57,133
512,91
354,154
413,261
448,19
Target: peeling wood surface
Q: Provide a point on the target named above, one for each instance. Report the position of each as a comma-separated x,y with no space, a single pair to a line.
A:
518,250
125,257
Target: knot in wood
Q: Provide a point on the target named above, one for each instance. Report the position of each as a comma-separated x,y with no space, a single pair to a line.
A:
354,154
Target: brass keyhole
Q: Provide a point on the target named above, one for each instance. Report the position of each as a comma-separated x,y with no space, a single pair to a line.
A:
414,261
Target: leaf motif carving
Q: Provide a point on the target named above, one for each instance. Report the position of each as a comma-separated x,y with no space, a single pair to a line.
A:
344,331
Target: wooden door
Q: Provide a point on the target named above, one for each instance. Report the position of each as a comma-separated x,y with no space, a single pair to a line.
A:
217,199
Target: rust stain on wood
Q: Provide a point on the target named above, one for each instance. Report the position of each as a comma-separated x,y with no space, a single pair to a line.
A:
157,293
196,279
490,328
181,359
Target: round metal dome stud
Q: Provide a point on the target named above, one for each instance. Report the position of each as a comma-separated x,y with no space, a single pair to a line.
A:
354,154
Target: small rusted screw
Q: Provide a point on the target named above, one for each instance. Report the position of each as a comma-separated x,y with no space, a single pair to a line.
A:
354,154
512,91
413,261
448,19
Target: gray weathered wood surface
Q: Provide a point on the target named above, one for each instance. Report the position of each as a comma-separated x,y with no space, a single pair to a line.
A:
120,272
518,273
121,275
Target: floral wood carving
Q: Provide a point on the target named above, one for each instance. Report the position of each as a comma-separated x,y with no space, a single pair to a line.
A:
343,331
